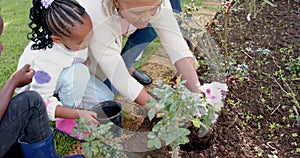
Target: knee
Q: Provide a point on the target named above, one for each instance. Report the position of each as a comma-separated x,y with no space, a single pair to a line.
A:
30,98
32,95
35,99
79,71
81,68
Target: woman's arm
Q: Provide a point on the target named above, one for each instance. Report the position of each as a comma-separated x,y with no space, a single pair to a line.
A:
176,47
187,69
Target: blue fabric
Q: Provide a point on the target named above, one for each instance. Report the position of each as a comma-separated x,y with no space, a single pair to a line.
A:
141,38
42,149
71,84
176,6
95,93
25,115
77,87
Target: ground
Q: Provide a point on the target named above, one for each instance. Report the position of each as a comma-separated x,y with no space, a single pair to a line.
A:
259,114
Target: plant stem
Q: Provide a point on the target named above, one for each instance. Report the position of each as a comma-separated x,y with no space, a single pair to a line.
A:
226,18
291,92
175,153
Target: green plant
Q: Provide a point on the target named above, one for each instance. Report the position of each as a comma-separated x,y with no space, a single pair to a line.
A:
274,126
297,150
178,107
294,134
294,66
99,141
259,151
272,156
289,92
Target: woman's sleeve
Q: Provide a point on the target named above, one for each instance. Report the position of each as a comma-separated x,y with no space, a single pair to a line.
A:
105,49
168,31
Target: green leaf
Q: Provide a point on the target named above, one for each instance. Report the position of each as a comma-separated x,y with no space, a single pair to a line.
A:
88,153
169,138
157,143
173,107
151,114
156,127
196,123
151,135
94,149
150,143
184,140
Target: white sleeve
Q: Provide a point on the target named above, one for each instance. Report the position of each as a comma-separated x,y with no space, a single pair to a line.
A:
51,104
106,52
168,31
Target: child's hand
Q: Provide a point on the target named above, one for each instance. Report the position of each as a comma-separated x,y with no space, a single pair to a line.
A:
88,115
23,76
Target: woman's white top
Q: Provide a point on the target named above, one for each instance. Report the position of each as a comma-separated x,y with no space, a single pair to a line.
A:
106,45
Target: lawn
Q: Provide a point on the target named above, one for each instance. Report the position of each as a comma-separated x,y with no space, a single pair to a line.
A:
15,15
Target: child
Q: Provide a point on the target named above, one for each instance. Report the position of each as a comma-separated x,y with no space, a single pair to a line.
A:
24,114
61,32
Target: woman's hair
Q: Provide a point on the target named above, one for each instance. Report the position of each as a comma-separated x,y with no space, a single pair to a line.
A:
57,19
109,7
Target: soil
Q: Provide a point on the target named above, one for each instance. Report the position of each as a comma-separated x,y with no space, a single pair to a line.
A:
238,131
256,120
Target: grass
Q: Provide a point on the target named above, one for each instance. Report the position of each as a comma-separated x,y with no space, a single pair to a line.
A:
15,16
186,2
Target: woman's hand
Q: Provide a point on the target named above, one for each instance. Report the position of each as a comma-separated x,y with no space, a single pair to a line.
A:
88,115
22,77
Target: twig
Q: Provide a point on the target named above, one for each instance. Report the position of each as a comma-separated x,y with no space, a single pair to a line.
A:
275,109
247,54
233,122
279,85
296,111
275,150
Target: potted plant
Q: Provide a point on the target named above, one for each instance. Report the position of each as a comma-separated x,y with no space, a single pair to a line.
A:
180,108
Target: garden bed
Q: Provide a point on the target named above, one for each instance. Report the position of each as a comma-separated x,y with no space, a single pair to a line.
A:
259,118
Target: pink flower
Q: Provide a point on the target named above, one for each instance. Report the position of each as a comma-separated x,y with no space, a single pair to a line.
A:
227,4
198,112
208,91
213,92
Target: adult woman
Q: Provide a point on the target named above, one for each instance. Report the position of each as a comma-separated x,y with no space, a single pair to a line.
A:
105,47
137,42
